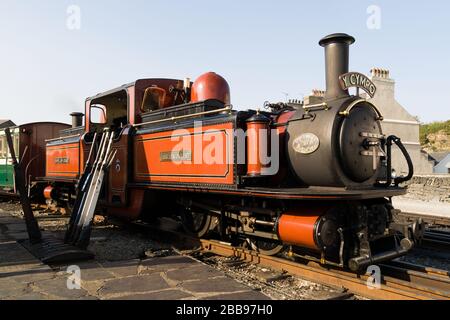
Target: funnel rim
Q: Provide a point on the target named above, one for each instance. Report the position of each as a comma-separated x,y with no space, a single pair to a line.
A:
336,37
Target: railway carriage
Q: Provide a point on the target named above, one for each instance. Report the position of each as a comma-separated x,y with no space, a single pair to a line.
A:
29,145
313,179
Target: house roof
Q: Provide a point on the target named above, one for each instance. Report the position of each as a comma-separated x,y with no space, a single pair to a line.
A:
439,156
446,161
6,123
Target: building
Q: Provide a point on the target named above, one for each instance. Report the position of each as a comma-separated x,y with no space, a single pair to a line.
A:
6,124
442,162
399,122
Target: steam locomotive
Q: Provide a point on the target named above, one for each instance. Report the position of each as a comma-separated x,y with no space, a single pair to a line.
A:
310,177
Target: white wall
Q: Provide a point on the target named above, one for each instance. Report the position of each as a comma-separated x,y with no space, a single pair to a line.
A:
397,121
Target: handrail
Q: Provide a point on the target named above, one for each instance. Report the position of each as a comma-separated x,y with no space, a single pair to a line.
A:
346,112
227,108
60,138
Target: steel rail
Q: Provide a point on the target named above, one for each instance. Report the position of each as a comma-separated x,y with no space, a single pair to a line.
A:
436,240
391,288
428,219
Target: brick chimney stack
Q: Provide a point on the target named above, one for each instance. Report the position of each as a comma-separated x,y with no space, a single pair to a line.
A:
385,84
379,73
318,93
316,96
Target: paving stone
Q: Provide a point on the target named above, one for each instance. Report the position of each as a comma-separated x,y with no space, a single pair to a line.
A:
16,227
7,219
122,268
144,283
11,288
166,263
196,272
224,284
171,294
89,298
18,235
14,258
32,274
248,295
4,237
58,288
32,296
91,271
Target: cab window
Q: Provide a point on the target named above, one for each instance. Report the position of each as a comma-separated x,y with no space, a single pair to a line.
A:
110,111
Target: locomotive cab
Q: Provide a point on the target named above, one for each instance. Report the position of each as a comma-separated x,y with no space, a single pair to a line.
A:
109,111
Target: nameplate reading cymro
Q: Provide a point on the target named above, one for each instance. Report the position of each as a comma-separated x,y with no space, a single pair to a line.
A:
356,79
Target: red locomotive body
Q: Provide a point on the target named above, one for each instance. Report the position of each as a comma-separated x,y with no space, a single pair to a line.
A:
308,178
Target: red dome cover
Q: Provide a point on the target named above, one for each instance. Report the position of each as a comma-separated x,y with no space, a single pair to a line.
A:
210,85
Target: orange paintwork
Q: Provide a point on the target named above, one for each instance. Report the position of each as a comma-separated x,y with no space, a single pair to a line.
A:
156,155
48,192
63,160
254,142
282,120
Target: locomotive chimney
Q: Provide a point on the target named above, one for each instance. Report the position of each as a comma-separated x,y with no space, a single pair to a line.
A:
77,119
336,62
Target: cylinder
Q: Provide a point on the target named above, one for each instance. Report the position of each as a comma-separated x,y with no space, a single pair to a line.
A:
298,230
77,119
309,227
48,192
336,62
257,143
210,85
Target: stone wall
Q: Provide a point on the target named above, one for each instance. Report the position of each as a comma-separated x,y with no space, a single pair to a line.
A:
434,188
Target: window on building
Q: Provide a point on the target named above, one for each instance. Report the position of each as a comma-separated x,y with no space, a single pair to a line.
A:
2,147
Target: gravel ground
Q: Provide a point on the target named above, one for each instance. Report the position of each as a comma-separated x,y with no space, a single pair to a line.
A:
428,258
277,285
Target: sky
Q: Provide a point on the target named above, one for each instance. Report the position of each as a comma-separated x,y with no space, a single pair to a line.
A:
53,56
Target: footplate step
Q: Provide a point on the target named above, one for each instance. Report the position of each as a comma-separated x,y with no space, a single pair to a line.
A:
53,251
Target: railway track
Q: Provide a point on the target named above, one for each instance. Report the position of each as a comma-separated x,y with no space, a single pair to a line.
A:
436,239
430,220
399,280
437,233
400,284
